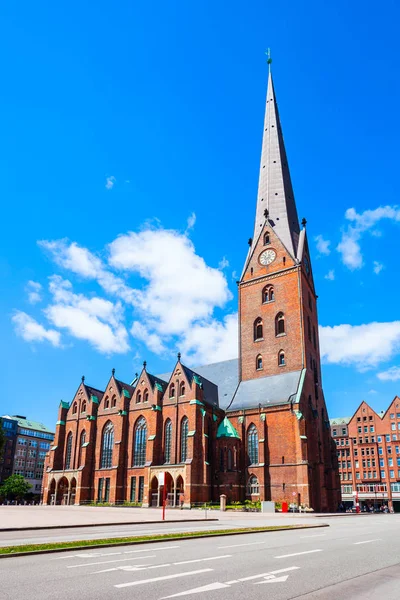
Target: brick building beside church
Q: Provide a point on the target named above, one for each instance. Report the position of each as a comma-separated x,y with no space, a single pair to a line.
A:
254,427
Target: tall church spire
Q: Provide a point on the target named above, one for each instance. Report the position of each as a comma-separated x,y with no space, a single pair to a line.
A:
275,193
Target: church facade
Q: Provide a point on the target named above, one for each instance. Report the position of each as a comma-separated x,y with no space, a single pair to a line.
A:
254,428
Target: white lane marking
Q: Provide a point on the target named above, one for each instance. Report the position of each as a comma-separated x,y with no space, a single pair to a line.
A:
152,549
298,553
145,567
366,542
238,545
186,562
104,562
272,579
218,585
205,588
154,579
99,554
306,537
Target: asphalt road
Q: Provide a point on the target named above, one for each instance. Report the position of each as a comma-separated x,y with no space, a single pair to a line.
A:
356,558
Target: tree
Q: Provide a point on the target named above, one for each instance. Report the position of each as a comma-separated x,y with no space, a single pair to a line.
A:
2,438
14,486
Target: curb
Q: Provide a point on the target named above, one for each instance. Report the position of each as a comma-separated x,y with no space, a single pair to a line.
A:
104,524
171,539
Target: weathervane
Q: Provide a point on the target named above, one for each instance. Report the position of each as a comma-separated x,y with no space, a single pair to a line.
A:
269,59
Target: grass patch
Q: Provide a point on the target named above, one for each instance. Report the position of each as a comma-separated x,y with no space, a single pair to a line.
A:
11,550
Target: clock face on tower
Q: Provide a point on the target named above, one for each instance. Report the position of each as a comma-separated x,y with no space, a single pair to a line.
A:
267,257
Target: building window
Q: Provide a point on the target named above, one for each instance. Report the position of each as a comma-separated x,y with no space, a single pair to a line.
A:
182,389
133,489
230,460
107,403
74,408
258,329
393,426
266,239
146,396
392,415
281,359
252,445
100,490
68,452
172,391
309,328
167,441
314,338
268,294
141,489
138,397
253,487
113,402
259,363
383,475
280,324
221,460
184,438
334,432
139,452
391,473
83,441
309,301
83,407
107,445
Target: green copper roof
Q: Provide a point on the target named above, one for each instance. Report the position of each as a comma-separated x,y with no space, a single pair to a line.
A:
226,429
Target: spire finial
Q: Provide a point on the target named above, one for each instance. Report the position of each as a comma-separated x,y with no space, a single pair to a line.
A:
266,213
179,356
269,59
250,241
83,379
144,365
113,372
304,222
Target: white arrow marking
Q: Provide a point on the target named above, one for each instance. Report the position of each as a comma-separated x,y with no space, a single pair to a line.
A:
154,579
273,580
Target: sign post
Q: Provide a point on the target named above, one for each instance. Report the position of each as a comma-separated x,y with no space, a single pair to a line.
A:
161,482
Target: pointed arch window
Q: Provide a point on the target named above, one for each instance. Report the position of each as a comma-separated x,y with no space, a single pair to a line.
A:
68,452
74,408
280,324
258,329
267,239
252,444
146,396
167,441
182,389
107,446
172,390
138,397
259,363
184,438
281,359
107,403
253,487
230,460
82,441
140,441
113,401
83,406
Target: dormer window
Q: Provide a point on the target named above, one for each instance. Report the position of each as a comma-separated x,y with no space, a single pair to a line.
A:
172,391
83,407
146,396
113,401
107,403
138,397
74,409
182,389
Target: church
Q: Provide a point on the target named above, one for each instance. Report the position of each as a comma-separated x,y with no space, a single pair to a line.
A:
253,428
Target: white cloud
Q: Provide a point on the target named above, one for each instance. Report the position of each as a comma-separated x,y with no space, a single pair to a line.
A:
364,346
152,340
182,288
377,267
110,181
322,245
223,263
33,289
213,341
349,246
31,331
73,257
191,222
93,319
372,392
330,275
392,374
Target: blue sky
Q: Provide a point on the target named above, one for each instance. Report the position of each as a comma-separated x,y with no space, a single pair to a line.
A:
131,138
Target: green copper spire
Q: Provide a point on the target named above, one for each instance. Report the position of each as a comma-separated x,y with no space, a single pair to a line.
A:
226,429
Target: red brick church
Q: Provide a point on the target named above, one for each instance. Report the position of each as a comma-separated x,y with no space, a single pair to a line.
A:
256,427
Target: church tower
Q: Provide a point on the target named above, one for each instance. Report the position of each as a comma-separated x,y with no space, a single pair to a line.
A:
279,357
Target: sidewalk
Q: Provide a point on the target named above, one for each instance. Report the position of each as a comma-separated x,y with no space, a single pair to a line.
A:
22,517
